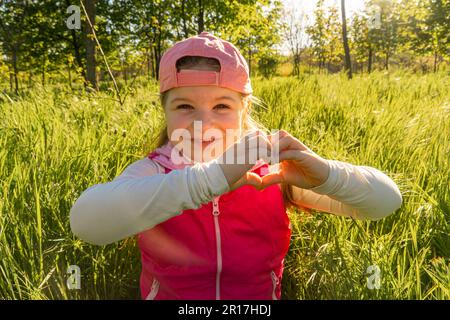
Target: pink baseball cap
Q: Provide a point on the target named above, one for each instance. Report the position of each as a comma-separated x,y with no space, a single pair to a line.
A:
233,73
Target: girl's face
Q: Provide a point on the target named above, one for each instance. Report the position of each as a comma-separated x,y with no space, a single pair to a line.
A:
203,120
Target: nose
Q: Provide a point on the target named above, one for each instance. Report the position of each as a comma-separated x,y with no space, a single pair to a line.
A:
206,118
203,122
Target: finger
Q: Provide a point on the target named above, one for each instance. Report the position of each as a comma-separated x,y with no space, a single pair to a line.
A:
248,178
253,179
272,178
253,133
237,152
291,143
277,135
288,140
259,147
253,146
293,155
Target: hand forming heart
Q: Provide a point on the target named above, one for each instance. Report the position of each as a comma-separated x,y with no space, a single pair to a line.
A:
299,166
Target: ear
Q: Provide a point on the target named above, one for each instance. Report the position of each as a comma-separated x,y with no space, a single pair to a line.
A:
246,107
163,98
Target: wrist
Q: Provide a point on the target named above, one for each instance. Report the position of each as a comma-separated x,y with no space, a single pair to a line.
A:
233,172
325,173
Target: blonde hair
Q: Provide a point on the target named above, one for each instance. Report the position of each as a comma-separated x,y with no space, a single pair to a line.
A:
248,122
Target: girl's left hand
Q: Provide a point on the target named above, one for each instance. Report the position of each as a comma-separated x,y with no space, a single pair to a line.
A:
299,166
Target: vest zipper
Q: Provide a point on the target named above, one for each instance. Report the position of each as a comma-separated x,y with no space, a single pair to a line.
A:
216,213
154,290
275,282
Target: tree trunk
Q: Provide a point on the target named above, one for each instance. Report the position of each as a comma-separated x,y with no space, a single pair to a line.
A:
147,54
90,45
200,18
435,61
70,75
10,79
348,65
157,54
152,61
43,70
297,64
386,61
183,17
76,49
369,61
124,71
16,80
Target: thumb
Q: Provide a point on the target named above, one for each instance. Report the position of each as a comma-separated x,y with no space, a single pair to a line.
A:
272,178
253,179
250,178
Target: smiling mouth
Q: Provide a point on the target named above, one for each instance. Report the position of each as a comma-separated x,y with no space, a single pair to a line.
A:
205,141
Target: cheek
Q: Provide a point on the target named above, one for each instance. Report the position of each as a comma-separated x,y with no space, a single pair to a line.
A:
234,124
232,120
176,122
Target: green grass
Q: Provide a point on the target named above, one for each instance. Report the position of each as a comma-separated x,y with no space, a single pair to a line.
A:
55,143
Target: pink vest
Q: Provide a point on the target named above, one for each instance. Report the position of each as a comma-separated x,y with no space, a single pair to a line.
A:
230,248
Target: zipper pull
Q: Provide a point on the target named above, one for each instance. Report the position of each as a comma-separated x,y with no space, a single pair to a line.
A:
216,211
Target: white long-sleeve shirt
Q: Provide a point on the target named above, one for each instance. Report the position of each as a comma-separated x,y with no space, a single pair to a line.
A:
144,196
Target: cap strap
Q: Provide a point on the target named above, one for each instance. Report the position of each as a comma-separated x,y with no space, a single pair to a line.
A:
197,77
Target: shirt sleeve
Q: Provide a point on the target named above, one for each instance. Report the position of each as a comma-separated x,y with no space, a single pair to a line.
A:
361,192
142,197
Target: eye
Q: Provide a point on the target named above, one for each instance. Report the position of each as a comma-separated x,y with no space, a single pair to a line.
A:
184,106
221,106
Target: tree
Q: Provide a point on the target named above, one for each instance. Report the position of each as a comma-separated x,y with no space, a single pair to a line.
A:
326,36
294,34
146,26
427,28
359,41
316,33
91,65
438,20
348,64
333,32
268,65
254,27
13,30
200,17
385,39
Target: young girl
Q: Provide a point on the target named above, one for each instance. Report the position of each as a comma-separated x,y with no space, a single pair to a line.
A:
207,228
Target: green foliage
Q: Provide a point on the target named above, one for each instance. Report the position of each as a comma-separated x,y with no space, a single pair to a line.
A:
35,43
268,65
408,31
326,35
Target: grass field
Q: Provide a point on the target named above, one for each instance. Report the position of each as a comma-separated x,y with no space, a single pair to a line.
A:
55,143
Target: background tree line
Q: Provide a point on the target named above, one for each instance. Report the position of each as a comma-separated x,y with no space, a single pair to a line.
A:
407,33
36,43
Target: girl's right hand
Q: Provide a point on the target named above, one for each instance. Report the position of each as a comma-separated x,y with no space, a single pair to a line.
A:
235,166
